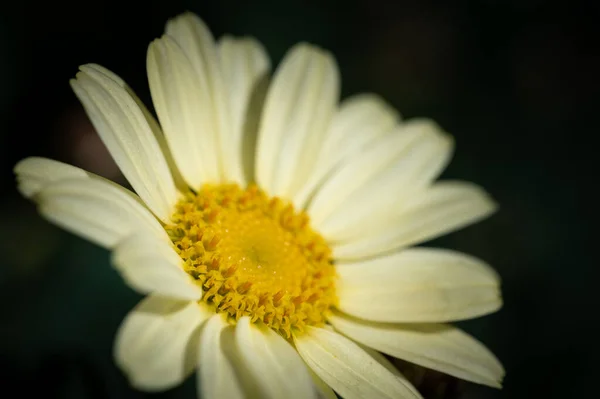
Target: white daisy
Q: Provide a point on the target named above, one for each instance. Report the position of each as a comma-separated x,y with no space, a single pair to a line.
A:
271,226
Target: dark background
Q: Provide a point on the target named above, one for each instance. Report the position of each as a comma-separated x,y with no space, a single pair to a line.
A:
516,83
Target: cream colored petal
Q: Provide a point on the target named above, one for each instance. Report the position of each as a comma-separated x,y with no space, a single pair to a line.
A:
193,37
386,152
314,108
297,112
435,346
216,376
430,213
347,368
151,266
35,173
324,391
386,193
101,212
154,126
418,285
156,345
272,361
126,133
381,359
360,121
245,65
184,111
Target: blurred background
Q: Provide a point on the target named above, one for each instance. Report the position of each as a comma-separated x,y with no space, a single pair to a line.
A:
516,82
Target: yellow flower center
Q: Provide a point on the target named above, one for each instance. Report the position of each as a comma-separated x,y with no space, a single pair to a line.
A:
254,256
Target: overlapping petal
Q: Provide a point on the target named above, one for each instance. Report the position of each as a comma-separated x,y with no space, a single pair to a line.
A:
216,375
245,66
298,108
436,346
184,112
275,366
35,173
127,134
347,368
418,285
359,121
428,214
151,266
100,211
156,344
197,43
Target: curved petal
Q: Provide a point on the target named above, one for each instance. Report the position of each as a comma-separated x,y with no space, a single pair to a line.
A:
381,359
245,65
418,285
195,40
370,206
216,376
435,211
125,131
435,346
347,368
375,160
35,173
150,265
181,106
297,112
324,391
102,212
152,123
272,361
359,121
156,343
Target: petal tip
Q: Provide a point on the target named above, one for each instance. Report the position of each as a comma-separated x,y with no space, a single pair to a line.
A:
22,165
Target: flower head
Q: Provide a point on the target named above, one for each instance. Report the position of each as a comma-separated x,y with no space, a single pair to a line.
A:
271,226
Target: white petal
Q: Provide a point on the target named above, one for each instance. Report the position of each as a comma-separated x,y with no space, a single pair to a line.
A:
435,346
184,111
418,285
245,65
150,265
432,212
152,123
216,377
272,361
125,131
102,212
387,364
370,207
347,368
34,173
298,109
376,159
197,43
324,391
381,359
156,345
359,121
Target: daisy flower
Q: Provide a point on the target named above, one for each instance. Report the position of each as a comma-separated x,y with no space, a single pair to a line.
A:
271,226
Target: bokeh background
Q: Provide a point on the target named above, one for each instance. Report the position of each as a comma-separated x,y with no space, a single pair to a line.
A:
515,81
